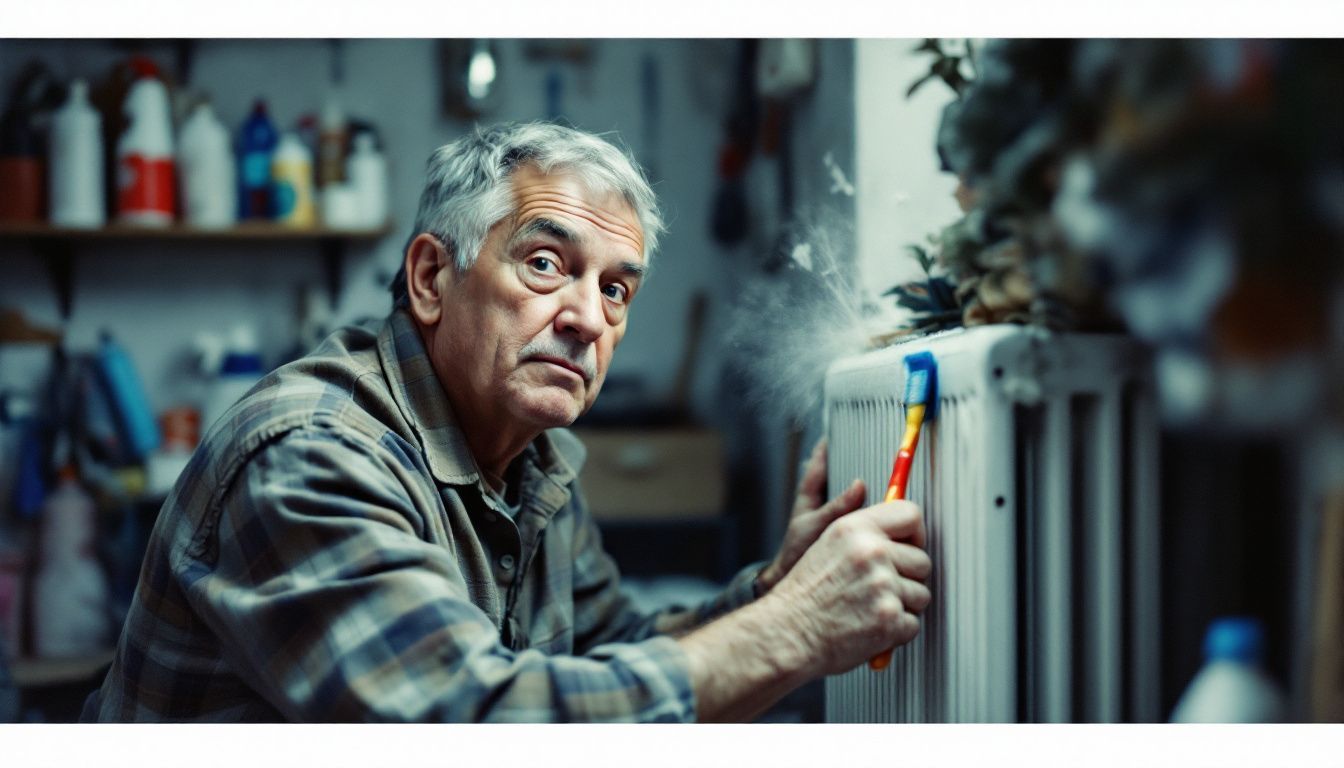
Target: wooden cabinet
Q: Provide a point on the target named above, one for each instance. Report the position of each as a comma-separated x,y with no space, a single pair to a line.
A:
659,496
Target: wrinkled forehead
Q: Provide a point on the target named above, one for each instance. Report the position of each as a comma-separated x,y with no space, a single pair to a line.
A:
570,195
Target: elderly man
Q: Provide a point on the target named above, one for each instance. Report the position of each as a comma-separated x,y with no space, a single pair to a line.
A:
391,527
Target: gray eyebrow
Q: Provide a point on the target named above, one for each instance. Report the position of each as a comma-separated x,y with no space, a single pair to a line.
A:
545,226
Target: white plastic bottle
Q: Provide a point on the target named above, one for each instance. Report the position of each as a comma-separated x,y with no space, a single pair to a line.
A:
239,370
208,177
367,172
76,187
1231,687
70,593
292,182
145,184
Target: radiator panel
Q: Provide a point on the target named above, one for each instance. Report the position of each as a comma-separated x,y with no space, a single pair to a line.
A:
1038,483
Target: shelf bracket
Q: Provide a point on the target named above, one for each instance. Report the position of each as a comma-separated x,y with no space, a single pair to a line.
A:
333,265
58,257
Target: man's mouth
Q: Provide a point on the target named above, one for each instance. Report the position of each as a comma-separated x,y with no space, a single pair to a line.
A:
561,362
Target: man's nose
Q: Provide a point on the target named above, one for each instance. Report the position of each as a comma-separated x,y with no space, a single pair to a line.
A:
581,313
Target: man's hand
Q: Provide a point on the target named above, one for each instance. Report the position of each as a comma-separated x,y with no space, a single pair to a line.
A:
857,591
809,517
852,594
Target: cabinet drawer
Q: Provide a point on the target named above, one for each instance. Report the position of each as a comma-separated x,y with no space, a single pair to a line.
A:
653,474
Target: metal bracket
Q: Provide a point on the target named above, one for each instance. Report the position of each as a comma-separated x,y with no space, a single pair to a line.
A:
59,258
333,266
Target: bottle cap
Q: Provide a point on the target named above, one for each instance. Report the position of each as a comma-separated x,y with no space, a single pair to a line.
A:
291,146
1235,638
241,363
143,67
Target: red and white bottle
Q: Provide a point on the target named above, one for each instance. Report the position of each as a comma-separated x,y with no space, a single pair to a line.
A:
145,177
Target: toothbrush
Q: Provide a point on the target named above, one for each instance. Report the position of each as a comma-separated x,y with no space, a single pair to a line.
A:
921,401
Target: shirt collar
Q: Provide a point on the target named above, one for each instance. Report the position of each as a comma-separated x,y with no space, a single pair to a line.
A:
420,397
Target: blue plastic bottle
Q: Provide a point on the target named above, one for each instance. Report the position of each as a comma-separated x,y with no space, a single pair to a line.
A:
134,416
255,145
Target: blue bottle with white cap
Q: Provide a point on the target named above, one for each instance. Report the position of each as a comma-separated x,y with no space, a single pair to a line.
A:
1232,686
240,369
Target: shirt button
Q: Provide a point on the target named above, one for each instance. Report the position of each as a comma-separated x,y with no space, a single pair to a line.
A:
506,562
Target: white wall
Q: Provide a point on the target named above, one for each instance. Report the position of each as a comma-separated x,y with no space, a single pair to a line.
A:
903,197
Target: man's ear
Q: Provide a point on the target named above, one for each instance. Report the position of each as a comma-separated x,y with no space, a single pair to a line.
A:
426,257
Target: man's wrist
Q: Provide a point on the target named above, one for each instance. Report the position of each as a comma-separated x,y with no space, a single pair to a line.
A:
744,661
790,650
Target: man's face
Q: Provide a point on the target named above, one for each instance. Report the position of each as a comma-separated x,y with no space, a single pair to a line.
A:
528,331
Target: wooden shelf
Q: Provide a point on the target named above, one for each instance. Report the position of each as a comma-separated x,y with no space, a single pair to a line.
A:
247,230
57,245
35,673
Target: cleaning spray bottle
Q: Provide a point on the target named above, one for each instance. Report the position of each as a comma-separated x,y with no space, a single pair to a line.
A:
208,175
76,162
145,185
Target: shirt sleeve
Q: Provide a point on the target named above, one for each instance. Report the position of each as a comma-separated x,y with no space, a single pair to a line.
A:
330,605
605,614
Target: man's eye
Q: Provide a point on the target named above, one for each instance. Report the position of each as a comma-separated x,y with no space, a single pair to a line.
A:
616,292
543,264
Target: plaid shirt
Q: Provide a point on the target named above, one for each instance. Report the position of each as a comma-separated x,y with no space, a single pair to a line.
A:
332,554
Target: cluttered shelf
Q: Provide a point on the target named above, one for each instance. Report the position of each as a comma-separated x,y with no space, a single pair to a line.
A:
247,230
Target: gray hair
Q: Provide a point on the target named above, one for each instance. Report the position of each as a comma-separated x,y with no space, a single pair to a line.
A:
467,185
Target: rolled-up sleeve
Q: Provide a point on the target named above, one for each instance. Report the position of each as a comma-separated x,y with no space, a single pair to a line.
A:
331,605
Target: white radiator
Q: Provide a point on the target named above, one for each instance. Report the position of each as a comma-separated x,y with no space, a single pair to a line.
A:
1038,483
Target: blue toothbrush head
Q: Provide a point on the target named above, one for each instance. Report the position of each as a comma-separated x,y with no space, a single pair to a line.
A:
921,382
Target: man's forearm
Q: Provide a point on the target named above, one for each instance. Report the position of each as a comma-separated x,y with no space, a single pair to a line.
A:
744,662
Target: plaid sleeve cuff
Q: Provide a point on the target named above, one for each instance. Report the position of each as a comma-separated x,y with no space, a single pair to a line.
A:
739,591
663,674
742,589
